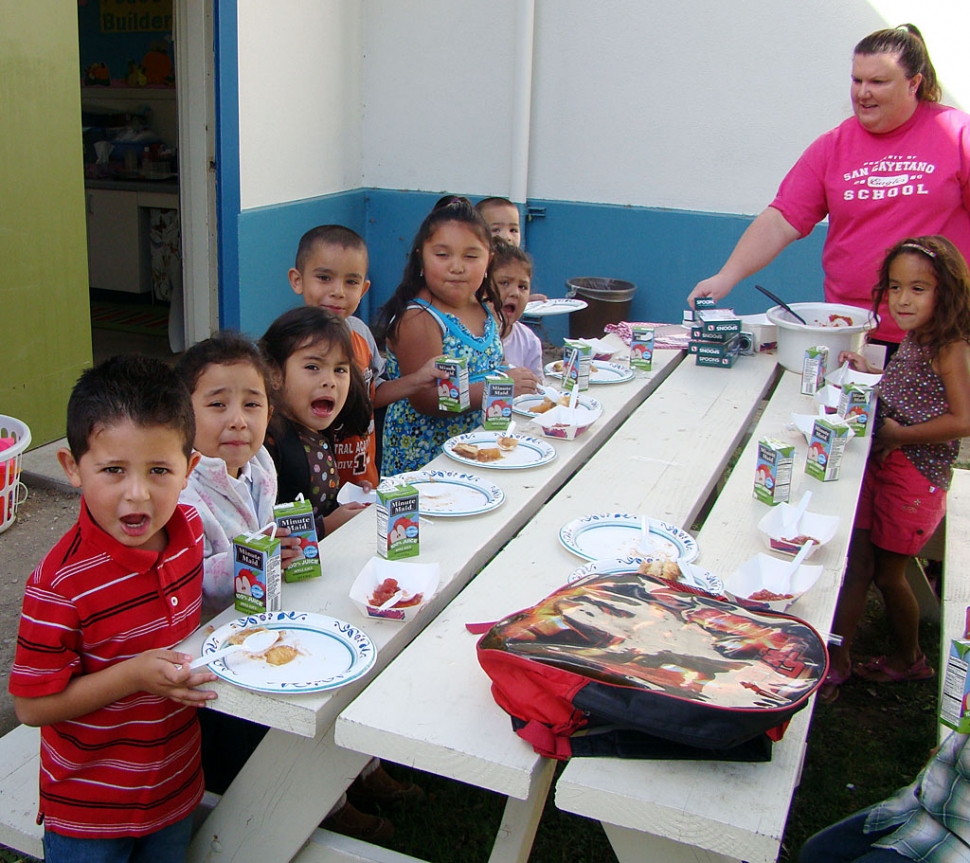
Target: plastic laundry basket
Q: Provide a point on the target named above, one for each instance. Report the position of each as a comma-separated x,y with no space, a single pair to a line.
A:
12,491
607,302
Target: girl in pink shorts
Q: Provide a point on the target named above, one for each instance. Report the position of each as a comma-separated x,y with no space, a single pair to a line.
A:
924,410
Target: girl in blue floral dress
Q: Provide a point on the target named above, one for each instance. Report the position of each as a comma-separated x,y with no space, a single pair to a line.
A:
445,305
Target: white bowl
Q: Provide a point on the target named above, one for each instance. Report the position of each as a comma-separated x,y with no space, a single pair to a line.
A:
765,573
819,527
805,423
555,421
843,375
795,338
412,578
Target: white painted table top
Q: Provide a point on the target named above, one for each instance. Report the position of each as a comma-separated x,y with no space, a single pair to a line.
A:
432,707
461,547
738,810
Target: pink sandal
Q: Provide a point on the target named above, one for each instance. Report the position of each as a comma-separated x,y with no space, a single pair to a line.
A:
828,692
878,671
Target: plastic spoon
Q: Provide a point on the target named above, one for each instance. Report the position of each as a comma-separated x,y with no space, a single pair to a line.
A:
645,544
258,642
794,515
391,602
799,559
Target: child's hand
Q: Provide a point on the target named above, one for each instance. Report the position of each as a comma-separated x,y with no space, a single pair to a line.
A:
166,673
341,515
290,547
857,362
537,298
428,373
886,440
525,380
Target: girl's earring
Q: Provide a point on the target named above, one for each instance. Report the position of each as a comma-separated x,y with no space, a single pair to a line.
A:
421,274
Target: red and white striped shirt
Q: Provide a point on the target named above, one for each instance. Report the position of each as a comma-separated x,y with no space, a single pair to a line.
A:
132,767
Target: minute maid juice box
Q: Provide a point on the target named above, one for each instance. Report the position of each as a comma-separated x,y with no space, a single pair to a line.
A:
772,473
453,384
497,396
813,369
397,521
579,376
641,348
297,517
256,567
825,449
856,406
955,701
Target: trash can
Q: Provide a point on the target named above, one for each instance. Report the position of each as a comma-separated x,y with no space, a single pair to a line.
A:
608,302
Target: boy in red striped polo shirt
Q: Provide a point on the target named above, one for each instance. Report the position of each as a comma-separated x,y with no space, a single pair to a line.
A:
120,770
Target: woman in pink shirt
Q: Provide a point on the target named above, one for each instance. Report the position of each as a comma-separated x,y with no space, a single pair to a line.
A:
899,167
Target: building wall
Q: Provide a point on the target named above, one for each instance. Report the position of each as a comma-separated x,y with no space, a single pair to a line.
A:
656,131
45,323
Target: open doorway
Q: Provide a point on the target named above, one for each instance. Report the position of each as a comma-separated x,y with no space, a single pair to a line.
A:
148,115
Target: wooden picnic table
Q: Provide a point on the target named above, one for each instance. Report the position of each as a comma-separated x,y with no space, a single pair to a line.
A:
432,709
297,773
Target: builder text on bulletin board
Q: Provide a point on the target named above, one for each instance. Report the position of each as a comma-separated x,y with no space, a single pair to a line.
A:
136,16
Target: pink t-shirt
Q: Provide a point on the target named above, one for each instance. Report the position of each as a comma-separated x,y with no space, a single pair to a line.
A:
877,190
523,348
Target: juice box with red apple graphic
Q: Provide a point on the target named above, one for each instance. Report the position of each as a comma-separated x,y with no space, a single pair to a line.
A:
825,449
297,517
453,393
497,393
256,571
397,521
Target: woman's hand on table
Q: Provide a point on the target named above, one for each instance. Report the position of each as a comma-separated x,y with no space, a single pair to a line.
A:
525,380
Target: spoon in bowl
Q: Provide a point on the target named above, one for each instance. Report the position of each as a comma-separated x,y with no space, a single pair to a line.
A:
783,304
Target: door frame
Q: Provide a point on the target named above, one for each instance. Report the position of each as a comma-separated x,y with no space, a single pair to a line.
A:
194,36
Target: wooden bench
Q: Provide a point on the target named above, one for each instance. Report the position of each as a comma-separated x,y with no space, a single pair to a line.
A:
19,791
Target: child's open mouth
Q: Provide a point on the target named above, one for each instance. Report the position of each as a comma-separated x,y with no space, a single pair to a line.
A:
510,309
322,407
135,525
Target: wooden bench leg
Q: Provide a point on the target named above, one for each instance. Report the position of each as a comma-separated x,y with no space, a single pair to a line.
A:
929,603
520,820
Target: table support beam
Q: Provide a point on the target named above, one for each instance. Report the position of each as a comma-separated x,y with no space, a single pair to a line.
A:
520,820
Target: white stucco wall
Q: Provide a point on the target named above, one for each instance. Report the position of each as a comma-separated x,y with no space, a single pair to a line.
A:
300,99
695,106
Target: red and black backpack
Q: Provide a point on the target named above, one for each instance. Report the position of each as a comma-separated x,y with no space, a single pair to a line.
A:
633,666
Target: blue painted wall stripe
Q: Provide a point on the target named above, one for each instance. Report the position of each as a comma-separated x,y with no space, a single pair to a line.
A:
663,252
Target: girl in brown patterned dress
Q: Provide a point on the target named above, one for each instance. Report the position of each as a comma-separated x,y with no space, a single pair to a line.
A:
923,411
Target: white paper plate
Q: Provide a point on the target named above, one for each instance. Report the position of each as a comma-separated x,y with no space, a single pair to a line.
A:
332,653
531,451
562,306
525,405
449,494
694,576
600,373
617,535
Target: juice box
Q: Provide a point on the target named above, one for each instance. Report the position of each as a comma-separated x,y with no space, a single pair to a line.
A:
825,449
256,567
397,521
497,396
773,470
641,348
453,384
856,406
813,369
297,517
579,376
955,701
